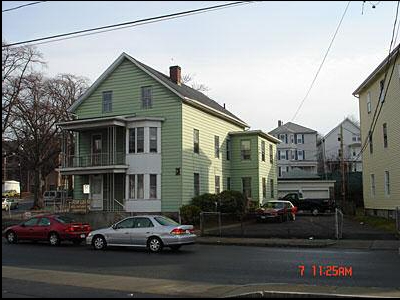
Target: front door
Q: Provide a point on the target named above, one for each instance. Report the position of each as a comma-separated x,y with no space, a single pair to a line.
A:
96,192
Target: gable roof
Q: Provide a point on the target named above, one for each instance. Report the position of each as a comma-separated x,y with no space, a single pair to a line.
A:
186,93
345,120
292,127
393,56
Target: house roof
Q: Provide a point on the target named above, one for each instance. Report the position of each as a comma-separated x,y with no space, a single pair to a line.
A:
393,55
292,127
345,120
258,133
186,93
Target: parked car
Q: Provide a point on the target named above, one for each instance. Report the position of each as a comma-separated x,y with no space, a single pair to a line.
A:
10,193
315,206
52,228
9,203
148,231
276,210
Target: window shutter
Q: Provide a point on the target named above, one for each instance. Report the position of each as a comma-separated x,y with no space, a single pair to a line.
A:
302,138
297,156
304,155
279,154
295,140
287,155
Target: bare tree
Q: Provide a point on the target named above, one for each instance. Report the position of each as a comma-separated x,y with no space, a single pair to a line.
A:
17,63
189,79
41,104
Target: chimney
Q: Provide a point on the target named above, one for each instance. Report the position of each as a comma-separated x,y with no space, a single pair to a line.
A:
175,74
279,123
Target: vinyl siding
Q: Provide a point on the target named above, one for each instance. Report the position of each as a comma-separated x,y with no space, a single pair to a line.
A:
205,163
126,82
382,159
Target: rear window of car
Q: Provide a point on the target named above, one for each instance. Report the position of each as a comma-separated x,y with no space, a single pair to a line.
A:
273,205
64,219
165,221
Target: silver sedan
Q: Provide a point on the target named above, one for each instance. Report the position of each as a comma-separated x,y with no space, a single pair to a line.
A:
148,231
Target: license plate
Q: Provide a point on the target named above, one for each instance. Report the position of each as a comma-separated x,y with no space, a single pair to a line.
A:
82,236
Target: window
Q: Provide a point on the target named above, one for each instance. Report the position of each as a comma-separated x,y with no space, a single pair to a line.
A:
283,138
147,98
387,183
372,185
385,140
153,139
127,223
246,184
371,147
31,222
292,139
140,186
283,155
132,140
300,138
153,186
354,138
228,149
245,149
216,146
132,186
107,101
140,139
142,223
44,222
300,154
196,184
262,150
228,183
195,141
264,188
271,154
381,90
217,185
369,102
271,182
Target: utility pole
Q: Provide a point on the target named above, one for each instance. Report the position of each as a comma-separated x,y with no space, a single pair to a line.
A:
342,166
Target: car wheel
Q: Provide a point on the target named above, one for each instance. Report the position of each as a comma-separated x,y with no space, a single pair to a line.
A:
154,244
11,237
99,243
176,247
54,239
315,211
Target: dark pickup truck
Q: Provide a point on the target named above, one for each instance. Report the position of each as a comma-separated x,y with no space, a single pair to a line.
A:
315,206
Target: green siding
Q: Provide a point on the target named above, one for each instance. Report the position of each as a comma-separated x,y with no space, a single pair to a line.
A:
126,82
205,163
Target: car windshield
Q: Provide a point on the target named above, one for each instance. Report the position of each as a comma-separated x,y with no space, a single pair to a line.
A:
166,221
273,205
64,219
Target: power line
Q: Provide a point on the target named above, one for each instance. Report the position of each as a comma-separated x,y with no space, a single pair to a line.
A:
21,6
97,30
322,63
381,102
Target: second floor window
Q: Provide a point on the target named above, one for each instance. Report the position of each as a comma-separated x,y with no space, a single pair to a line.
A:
140,139
385,139
107,101
216,146
196,147
262,150
147,97
369,102
153,139
245,150
271,154
132,140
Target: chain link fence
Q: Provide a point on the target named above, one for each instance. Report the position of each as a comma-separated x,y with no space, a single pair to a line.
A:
305,226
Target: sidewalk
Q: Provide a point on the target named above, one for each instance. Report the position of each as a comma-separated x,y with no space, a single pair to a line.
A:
303,243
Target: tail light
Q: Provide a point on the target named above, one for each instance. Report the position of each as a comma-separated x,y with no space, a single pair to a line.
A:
70,228
180,231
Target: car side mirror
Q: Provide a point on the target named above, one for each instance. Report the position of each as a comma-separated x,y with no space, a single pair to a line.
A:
114,226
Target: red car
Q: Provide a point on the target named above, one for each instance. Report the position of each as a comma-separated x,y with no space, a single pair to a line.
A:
276,209
52,228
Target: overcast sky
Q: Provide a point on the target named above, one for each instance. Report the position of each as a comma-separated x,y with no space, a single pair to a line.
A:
259,58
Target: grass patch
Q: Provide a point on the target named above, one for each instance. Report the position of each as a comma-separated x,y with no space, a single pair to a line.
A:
378,222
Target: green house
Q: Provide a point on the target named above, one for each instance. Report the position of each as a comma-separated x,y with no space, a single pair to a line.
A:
146,142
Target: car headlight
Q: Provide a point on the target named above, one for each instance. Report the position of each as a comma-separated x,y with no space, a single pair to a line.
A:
90,234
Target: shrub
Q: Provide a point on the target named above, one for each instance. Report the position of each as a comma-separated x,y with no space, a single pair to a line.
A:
232,202
205,202
190,214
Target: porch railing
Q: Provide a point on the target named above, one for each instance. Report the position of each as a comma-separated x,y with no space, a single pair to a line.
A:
95,160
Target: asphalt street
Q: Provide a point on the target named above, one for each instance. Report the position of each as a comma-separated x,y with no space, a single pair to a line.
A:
214,264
